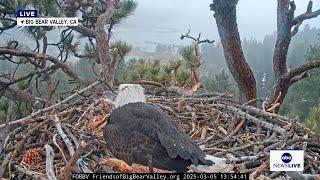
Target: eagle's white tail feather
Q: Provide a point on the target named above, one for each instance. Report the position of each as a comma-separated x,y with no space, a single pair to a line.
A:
219,165
215,160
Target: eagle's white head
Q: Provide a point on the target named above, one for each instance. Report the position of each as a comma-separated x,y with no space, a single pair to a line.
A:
130,93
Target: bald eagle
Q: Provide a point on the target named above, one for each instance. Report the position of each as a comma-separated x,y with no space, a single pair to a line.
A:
140,133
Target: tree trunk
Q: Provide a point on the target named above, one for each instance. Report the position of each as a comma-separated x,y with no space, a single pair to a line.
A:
103,38
225,15
285,15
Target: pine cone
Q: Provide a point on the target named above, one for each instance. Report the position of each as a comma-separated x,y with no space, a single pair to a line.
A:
31,157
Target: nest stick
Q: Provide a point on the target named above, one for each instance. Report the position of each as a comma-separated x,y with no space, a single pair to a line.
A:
66,172
33,174
64,137
252,118
54,140
49,163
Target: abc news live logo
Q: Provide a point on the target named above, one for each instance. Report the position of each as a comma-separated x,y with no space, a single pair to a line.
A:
286,160
30,18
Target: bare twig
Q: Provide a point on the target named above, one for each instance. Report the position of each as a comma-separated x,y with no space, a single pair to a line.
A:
33,174
64,137
57,145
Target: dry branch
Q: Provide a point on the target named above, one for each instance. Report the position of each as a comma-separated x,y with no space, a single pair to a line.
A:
59,148
261,169
49,163
153,83
252,118
307,15
33,174
22,96
68,169
62,65
64,137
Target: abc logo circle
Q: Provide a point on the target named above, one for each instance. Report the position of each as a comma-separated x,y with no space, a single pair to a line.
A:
286,157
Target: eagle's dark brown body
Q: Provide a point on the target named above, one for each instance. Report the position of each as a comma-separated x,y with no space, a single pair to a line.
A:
140,133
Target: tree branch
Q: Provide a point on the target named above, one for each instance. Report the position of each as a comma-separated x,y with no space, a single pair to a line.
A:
12,25
22,96
307,15
187,35
49,162
302,68
63,135
207,41
197,40
299,77
66,172
38,56
80,28
33,174
296,22
53,67
84,31
296,29
149,83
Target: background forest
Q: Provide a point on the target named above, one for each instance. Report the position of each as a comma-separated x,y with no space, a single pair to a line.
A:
302,100
80,57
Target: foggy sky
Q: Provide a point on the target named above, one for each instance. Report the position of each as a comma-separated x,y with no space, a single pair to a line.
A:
164,20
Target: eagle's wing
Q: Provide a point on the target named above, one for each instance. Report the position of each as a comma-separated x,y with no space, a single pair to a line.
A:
154,123
135,147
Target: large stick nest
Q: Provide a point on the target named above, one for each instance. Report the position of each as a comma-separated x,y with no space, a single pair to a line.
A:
68,138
